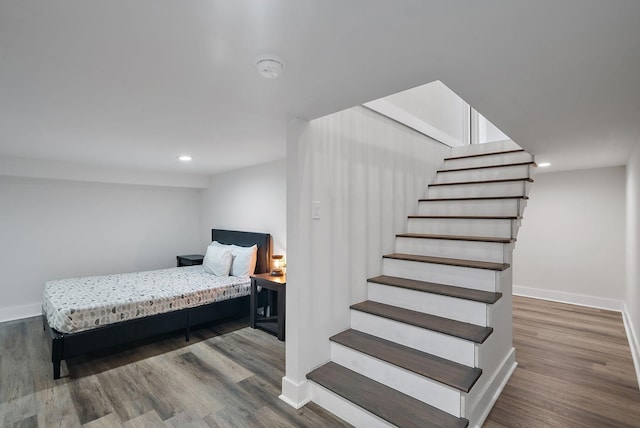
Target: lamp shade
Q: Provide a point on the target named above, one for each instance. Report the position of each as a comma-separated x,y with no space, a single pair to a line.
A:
277,265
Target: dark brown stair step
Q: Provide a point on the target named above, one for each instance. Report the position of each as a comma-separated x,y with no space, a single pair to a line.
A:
504,180
450,373
477,198
467,217
387,403
462,330
484,154
449,262
457,238
488,166
440,289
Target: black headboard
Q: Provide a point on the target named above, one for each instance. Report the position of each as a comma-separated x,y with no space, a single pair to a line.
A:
247,239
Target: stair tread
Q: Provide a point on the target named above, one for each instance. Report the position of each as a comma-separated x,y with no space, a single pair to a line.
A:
450,373
462,330
502,180
457,238
475,198
440,289
448,261
532,163
387,403
467,217
503,152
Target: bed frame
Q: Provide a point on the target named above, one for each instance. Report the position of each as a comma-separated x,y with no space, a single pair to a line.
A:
68,345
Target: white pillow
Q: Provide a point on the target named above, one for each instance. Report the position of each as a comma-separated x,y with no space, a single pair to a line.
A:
217,261
244,258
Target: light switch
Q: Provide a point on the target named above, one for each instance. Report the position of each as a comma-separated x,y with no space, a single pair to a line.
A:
315,210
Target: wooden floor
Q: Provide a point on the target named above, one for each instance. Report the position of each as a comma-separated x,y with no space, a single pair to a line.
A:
575,370
227,376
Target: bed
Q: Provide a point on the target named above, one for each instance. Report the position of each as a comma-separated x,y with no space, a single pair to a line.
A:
108,319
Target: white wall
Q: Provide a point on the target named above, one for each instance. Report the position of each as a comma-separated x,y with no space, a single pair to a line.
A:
252,199
632,290
55,229
367,172
432,109
571,246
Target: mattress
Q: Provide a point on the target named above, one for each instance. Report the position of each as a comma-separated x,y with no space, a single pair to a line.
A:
78,304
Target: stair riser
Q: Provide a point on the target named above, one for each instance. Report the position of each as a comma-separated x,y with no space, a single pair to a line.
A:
487,208
424,389
480,190
476,149
449,347
443,306
468,250
478,279
345,409
500,173
497,159
464,227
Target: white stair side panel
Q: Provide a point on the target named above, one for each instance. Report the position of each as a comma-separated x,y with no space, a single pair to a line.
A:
345,409
475,149
442,345
478,279
456,249
497,173
497,159
493,351
419,387
474,207
480,190
462,310
497,228
504,281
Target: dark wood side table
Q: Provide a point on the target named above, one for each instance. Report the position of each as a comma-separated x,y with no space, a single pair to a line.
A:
274,322
190,260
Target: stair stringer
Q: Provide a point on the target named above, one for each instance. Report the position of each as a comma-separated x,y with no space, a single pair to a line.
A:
496,357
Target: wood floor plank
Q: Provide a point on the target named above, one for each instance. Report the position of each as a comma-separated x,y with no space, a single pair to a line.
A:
149,419
89,399
186,419
109,421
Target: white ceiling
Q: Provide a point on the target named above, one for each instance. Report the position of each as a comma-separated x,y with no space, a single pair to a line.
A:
134,84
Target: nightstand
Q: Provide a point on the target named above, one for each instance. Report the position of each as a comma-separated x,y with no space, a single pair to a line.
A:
190,260
273,318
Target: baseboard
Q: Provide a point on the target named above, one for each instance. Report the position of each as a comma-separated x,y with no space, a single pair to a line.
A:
295,394
634,341
571,298
19,312
497,384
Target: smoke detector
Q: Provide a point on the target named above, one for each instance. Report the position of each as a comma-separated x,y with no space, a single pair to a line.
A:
270,67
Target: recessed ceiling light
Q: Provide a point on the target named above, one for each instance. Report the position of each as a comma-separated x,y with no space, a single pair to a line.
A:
544,164
184,158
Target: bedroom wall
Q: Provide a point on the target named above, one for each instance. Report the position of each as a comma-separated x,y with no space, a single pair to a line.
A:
571,246
367,172
252,199
57,228
632,290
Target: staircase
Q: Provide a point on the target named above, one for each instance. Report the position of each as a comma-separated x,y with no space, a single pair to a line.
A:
432,346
